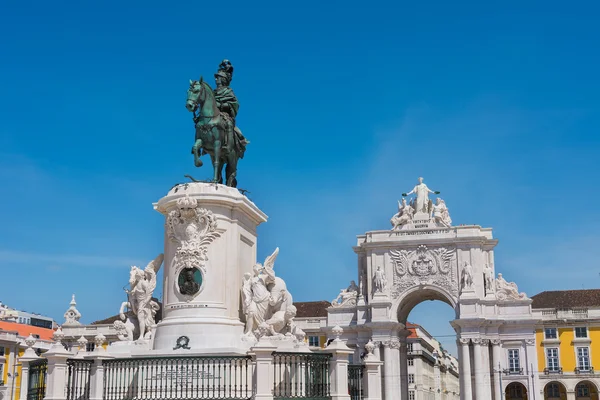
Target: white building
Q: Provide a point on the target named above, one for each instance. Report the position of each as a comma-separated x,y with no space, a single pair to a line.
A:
23,317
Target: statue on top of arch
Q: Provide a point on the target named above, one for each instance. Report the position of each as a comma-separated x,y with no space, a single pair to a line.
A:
421,207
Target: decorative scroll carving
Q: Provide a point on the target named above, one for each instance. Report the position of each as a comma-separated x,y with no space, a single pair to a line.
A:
464,341
423,266
193,229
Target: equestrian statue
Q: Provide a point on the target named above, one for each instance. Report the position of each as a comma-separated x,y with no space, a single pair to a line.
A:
214,117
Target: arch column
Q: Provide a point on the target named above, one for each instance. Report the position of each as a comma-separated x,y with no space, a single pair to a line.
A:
496,360
392,384
466,392
404,364
478,369
387,371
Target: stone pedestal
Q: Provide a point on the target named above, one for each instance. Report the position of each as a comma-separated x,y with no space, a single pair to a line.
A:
25,360
56,380
372,378
262,354
338,369
210,242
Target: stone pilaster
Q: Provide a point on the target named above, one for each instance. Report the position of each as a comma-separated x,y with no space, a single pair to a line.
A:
466,392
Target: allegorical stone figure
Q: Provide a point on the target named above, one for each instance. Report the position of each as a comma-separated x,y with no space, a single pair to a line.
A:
439,212
467,276
142,283
488,276
404,215
422,192
379,280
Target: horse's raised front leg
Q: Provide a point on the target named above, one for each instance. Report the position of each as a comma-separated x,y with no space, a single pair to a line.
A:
196,152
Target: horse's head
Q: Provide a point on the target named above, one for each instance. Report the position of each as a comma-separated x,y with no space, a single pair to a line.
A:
194,95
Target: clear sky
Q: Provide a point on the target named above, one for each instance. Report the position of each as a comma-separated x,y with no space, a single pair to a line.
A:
345,103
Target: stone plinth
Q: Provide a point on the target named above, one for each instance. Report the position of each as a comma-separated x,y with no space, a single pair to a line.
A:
210,242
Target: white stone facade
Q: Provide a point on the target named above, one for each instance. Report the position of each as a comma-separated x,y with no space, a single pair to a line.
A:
425,258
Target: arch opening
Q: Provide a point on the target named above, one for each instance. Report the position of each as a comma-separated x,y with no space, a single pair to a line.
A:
586,390
515,391
415,297
555,391
432,360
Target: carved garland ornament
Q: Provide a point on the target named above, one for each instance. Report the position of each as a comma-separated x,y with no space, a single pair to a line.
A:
193,229
423,266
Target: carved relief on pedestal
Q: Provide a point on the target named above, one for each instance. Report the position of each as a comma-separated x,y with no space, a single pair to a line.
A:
193,229
424,266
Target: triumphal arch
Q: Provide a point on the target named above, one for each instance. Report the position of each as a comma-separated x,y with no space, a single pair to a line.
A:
423,256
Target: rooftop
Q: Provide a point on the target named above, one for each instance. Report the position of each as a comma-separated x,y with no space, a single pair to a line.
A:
312,309
24,330
567,299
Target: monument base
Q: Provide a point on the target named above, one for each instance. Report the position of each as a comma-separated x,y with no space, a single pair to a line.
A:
209,335
210,244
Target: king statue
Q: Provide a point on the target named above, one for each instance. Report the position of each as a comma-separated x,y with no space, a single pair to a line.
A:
228,104
217,135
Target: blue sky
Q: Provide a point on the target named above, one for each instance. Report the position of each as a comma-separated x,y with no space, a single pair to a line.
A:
345,104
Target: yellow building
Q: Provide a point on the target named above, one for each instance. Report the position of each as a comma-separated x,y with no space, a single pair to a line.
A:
12,347
568,343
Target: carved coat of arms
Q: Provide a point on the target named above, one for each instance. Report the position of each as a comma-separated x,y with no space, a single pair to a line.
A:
193,229
423,266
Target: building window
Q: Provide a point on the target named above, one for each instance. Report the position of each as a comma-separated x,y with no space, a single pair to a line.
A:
553,390
313,341
513,360
581,332
2,352
551,333
552,359
90,347
583,390
411,361
411,378
409,347
583,358
411,395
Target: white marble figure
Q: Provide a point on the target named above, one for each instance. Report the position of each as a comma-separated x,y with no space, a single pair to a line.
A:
379,281
508,290
488,278
267,304
124,329
440,214
347,297
466,276
405,214
72,315
421,190
139,297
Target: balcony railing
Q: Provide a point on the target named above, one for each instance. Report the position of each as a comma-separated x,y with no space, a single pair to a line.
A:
580,371
513,371
552,371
